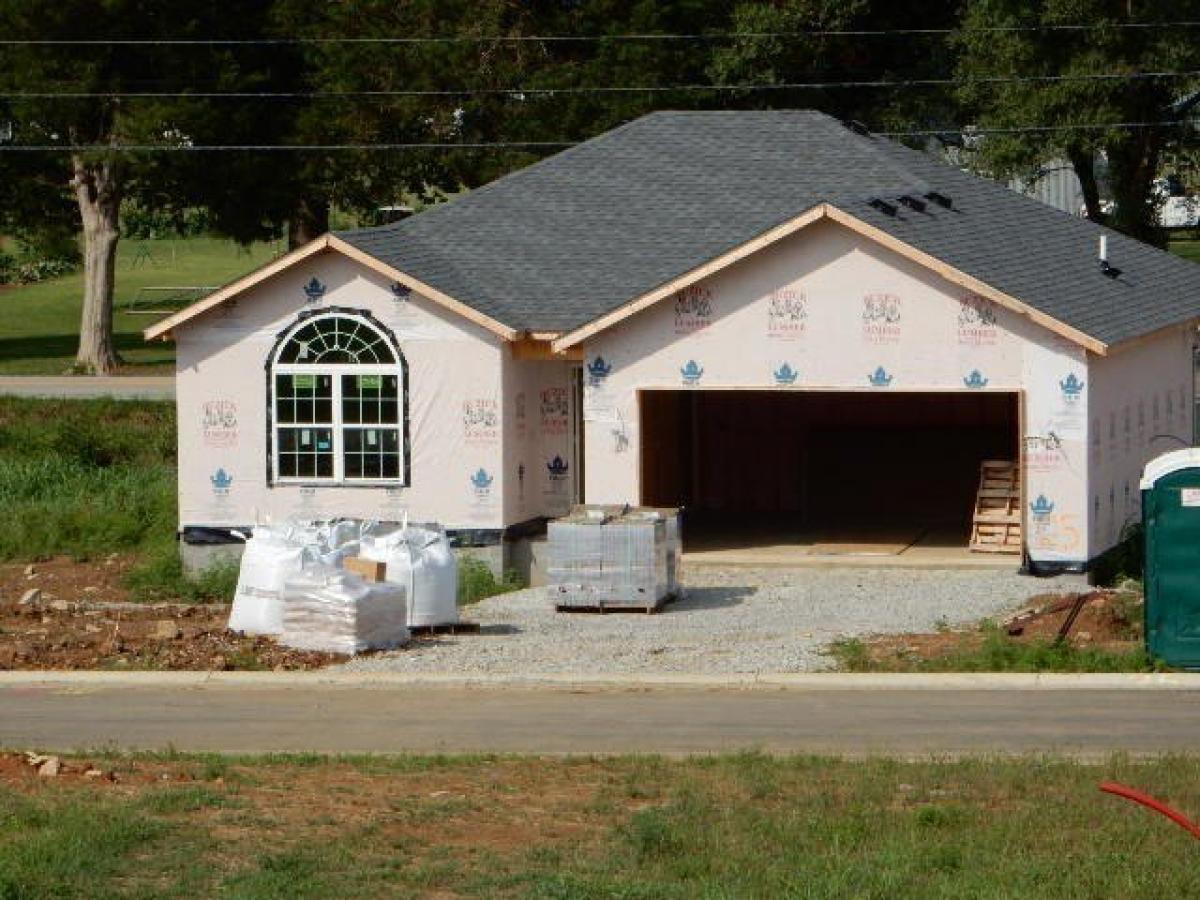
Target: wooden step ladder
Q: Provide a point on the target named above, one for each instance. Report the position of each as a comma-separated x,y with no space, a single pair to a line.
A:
996,527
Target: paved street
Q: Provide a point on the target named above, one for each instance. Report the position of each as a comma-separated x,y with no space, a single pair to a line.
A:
425,718
131,387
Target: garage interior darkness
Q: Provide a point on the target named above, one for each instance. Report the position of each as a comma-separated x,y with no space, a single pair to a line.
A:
836,472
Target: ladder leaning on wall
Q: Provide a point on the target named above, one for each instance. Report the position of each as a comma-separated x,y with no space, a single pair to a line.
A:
996,526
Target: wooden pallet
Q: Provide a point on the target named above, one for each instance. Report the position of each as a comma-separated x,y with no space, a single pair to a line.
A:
996,526
452,628
604,608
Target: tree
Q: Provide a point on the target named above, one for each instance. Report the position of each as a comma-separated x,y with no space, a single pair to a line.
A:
1133,154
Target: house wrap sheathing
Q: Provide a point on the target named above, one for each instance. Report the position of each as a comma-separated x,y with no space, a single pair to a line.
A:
757,314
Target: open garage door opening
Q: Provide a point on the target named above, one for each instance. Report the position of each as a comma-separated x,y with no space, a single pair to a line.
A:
826,473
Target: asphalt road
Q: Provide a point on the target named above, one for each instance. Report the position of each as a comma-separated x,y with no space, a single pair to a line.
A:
124,387
423,718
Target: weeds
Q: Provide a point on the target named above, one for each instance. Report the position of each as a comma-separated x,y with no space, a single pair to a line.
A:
476,581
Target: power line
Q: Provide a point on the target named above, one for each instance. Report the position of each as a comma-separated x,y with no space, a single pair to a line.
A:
968,130
596,38
594,89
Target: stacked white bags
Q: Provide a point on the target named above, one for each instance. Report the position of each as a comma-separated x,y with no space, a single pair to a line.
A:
329,609
419,559
275,552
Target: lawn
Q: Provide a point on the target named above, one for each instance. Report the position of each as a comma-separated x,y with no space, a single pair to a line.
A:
745,826
1188,249
39,323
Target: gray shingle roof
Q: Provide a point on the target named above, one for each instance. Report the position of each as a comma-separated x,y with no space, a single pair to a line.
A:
560,243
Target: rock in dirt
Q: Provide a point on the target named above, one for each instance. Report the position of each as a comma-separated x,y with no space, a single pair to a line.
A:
49,767
30,571
30,597
61,605
167,630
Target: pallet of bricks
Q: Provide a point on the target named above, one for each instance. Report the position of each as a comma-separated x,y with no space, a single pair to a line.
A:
614,559
996,525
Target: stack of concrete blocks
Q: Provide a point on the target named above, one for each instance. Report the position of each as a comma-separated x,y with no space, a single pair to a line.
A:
609,557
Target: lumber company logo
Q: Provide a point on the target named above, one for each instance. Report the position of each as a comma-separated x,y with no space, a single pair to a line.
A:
975,381
691,373
693,309
598,370
557,469
977,321
1041,507
881,318
481,421
785,375
221,482
219,423
400,292
787,312
555,411
314,290
880,378
1072,387
481,481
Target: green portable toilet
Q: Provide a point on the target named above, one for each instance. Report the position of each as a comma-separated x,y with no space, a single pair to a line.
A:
1171,516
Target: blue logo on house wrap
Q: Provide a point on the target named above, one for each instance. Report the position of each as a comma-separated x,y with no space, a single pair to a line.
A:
400,291
692,372
221,480
598,370
557,468
1041,506
975,380
1071,386
314,291
481,480
785,375
880,378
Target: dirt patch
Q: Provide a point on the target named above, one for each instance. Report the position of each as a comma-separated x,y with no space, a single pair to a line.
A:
63,578
1108,620
58,634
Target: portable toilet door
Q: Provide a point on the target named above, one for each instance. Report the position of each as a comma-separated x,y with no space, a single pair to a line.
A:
1171,517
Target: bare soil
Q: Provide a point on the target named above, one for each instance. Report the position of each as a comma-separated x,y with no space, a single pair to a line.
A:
1109,620
81,620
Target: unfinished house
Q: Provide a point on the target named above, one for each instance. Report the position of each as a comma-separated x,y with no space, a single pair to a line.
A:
807,336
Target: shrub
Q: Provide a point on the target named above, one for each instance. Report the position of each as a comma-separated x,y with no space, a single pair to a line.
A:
476,581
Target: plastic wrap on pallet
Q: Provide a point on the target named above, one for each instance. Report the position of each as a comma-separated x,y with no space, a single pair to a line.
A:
670,516
602,561
332,610
419,558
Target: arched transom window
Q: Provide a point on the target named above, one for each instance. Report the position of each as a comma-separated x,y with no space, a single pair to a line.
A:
338,402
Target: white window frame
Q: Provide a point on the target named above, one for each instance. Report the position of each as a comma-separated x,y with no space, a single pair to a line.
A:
337,425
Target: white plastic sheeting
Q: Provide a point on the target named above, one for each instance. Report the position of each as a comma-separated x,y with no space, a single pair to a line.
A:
418,558
332,610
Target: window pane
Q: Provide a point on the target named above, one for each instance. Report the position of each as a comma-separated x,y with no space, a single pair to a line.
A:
305,452
371,452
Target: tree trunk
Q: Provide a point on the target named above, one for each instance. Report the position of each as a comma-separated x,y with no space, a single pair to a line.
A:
1133,166
98,193
1083,161
310,220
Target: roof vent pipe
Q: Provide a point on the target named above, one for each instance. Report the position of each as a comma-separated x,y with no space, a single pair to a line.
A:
1110,271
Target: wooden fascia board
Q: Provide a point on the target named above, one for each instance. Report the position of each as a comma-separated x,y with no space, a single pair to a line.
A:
216,298
951,274
822,211
530,348
442,299
691,277
164,328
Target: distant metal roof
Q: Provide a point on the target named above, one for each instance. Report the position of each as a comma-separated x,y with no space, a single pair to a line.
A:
557,245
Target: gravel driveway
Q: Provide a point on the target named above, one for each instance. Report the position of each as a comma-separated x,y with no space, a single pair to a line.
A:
733,620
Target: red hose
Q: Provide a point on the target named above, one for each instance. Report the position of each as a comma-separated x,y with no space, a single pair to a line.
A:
1111,787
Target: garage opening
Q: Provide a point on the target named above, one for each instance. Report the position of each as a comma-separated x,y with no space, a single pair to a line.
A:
833,472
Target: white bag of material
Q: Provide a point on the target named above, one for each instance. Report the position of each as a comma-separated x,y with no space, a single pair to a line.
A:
270,557
420,559
335,611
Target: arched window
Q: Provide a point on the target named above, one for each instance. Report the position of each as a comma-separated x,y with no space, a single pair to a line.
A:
339,392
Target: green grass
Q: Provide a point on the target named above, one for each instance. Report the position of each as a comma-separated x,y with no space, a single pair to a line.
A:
91,477
39,323
742,826
1188,249
993,651
476,581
